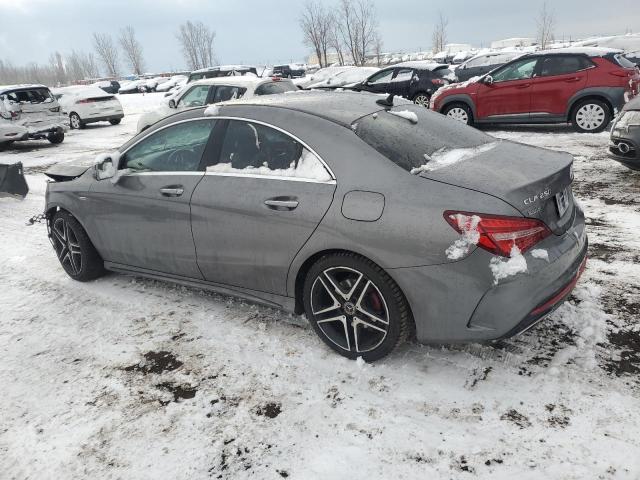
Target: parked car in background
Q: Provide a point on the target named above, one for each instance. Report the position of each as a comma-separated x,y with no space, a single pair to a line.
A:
633,57
10,131
109,86
289,71
215,90
416,81
346,78
320,75
86,105
624,144
171,83
263,205
133,86
221,71
584,86
32,108
481,64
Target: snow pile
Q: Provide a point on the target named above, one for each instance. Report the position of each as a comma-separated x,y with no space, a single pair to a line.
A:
540,253
411,116
470,237
503,268
309,167
447,157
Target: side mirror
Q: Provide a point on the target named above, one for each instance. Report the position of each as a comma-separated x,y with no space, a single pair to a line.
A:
172,103
488,80
104,168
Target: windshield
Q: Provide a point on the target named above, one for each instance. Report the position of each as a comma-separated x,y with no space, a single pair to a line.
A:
410,145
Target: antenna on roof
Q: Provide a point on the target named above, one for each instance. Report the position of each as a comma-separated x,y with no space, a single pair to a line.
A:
387,102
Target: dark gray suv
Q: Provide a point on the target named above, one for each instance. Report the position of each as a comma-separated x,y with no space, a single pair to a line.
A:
624,145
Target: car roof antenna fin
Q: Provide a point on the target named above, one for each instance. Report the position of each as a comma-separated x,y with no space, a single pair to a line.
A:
387,102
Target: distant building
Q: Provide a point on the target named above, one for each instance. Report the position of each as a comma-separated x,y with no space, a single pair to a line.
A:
513,42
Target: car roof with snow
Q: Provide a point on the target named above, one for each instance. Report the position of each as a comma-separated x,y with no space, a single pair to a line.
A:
223,68
422,65
589,51
6,88
343,108
237,80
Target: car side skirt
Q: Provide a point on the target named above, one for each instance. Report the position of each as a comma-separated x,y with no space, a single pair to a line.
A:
263,298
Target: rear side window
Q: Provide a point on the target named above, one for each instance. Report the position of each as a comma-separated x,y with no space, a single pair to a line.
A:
410,145
563,64
444,73
275,87
623,61
227,92
255,149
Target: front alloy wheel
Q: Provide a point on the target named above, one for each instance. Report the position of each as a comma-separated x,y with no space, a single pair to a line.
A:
355,307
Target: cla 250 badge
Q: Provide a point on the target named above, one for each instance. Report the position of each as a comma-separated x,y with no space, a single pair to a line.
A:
538,196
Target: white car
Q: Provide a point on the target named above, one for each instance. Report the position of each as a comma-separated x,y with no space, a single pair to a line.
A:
89,105
214,90
320,75
133,86
345,78
31,112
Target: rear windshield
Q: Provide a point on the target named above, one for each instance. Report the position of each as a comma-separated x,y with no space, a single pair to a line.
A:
32,95
410,145
620,59
275,87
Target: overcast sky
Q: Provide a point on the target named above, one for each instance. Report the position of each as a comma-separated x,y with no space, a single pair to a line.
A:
264,32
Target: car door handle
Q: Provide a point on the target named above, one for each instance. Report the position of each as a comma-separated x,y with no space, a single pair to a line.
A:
281,204
524,85
172,191
571,80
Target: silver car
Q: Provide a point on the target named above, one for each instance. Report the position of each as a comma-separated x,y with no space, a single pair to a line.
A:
377,219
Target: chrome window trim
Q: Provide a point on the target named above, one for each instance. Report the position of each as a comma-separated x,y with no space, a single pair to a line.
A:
229,174
301,142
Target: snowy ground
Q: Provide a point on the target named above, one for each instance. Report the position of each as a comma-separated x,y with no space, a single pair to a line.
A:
131,378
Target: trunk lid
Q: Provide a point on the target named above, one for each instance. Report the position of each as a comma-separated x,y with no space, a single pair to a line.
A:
535,181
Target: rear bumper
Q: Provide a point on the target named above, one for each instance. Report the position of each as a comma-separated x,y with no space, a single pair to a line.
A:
103,118
630,157
458,302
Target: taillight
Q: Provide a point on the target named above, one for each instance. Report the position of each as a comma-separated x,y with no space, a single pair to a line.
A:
438,81
497,233
85,100
54,109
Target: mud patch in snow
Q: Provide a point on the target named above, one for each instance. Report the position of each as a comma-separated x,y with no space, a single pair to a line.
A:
155,362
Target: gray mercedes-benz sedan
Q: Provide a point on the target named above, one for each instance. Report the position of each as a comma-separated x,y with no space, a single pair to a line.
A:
377,219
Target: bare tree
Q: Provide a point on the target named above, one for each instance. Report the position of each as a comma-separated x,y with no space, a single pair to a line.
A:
546,24
316,23
335,41
57,68
377,48
107,52
358,27
132,49
196,40
439,39
75,69
89,65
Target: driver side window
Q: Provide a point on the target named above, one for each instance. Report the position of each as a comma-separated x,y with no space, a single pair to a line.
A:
519,70
196,97
177,148
381,77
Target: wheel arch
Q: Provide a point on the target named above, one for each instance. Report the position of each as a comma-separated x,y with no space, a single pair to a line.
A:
465,99
579,98
52,208
302,272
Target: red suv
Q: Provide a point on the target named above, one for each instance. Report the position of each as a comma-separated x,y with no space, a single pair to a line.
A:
584,86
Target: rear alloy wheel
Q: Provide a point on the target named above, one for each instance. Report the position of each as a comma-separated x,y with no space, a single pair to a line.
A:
75,251
459,112
75,122
114,121
355,307
421,99
590,116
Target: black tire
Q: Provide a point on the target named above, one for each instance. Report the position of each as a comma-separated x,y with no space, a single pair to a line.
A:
114,121
453,110
74,250
421,98
75,122
374,296
5,145
56,137
590,116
